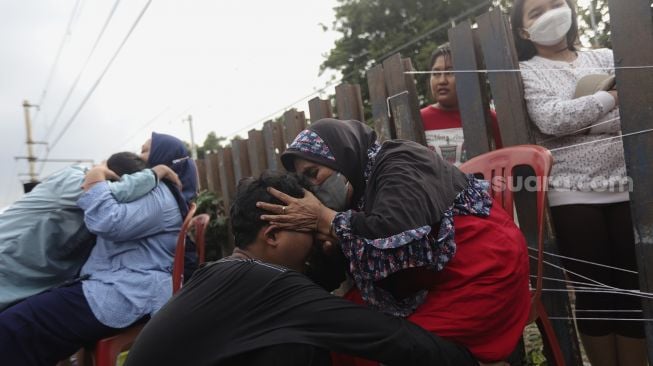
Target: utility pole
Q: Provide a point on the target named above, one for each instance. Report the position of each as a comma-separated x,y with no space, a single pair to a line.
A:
31,159
193,147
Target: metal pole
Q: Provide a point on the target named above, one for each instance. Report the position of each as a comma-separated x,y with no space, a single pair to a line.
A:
193,147
30,153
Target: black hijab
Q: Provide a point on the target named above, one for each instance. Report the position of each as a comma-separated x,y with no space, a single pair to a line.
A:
409,186
348,141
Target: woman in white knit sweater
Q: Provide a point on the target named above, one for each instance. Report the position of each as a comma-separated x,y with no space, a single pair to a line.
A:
589,187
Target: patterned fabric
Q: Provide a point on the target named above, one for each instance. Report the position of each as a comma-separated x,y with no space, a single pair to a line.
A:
548,90
309,142
374,260
371,159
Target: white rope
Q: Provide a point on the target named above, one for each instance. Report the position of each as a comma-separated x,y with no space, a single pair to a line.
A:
579,130
617,319
584,261
602,287
608,311
566,281
638,293
601,291
574,273
486,71
599,140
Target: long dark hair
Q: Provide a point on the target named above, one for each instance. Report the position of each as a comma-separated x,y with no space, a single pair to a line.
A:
525,48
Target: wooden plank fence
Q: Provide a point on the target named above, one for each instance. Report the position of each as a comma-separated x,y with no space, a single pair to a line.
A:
629,18
395,114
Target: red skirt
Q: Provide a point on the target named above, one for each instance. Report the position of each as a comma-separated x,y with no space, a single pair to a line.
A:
481,299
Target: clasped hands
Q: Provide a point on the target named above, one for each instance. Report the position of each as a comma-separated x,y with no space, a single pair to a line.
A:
101,173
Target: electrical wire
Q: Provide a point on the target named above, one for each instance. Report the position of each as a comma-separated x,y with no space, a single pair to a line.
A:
97,82
145,125
81,71
55,64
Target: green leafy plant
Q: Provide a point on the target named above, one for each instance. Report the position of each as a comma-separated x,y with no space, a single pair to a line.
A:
216,233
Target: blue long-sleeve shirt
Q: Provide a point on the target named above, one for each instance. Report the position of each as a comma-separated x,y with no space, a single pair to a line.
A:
43,240
130,267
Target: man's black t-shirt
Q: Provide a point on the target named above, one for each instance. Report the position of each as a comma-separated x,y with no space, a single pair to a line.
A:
234,308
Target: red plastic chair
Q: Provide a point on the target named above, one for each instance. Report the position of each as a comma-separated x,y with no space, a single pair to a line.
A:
199,223
497,167
108,349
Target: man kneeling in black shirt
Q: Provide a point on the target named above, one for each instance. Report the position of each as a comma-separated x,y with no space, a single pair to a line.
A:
256,308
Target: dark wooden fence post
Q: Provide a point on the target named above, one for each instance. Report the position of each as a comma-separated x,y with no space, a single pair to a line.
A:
256,151
201,173
228,184
470,87
499,53
632,39
212,166
385,129
507,89
402,99
349,102
411,86
240,159
294,122
273,142
319,108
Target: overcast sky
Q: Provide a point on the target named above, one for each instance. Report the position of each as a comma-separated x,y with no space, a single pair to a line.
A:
229,64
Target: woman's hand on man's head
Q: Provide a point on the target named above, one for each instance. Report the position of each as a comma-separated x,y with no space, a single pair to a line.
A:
299,214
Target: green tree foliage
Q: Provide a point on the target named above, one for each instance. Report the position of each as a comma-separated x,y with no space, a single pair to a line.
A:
594,23
372,30
375,29
211,143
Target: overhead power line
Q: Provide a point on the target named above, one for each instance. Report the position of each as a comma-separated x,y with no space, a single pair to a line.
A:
81,71
97,82
55,64
144,126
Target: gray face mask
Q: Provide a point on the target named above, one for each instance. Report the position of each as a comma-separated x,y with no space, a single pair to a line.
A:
333,192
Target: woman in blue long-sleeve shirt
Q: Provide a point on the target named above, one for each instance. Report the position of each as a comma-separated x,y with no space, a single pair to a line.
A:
127,276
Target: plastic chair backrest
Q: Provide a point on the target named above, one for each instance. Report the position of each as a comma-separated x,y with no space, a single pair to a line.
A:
199,223
498,166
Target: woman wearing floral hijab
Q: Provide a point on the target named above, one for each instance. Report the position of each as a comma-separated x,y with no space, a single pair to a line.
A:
421,238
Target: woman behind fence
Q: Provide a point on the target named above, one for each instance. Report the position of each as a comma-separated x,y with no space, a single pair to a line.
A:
572,102
442,122
422,239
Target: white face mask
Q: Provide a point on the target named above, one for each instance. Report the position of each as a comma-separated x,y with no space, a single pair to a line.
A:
551,27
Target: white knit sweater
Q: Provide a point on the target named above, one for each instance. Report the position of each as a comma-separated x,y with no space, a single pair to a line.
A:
549,88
